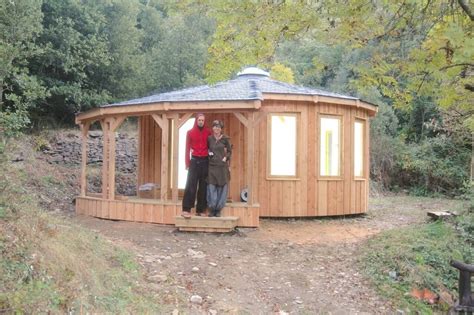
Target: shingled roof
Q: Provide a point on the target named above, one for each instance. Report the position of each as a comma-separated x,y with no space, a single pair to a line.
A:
250,84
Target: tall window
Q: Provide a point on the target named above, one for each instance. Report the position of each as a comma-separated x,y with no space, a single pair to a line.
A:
359,148
283,135
330,159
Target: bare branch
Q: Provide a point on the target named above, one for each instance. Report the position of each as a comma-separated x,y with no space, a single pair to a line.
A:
466,9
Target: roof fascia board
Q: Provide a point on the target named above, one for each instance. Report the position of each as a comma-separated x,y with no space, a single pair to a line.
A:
144,109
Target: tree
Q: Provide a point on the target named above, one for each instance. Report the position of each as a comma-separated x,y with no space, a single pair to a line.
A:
20,24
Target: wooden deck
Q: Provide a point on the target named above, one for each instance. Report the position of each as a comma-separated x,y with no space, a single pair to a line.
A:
157,211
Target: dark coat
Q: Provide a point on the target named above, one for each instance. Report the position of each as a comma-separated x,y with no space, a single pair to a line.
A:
219,170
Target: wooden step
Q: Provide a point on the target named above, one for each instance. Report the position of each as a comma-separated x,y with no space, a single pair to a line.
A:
206,224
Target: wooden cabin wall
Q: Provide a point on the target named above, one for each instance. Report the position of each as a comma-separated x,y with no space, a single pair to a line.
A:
310,195
149,151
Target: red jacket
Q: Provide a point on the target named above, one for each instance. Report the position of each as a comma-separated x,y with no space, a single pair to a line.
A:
196,142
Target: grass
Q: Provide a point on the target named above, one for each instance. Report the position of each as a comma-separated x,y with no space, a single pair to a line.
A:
47,264
418,257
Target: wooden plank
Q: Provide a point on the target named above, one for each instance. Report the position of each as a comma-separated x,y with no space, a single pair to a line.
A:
331,197
322,198
205,230
147,212
138,212
112,210
157,214
129,211
206,222
121,211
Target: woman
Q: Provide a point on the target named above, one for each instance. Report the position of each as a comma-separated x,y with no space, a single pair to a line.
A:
220,151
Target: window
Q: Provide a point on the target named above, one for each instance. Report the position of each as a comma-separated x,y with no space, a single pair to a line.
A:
283,135
330,159
359,140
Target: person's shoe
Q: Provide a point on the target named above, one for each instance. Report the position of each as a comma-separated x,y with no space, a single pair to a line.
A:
201,214
186,214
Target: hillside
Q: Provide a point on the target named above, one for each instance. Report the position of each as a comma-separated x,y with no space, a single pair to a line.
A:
48,263
54,261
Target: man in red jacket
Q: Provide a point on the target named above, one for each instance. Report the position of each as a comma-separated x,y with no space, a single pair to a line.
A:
197,164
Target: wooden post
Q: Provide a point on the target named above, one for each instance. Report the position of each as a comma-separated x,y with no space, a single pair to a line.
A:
164,125
108,167
174,156
84,132
105,157
250,123
250,159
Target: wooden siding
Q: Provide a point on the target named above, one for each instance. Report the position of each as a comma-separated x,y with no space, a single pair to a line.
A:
154,211
307,195
310,194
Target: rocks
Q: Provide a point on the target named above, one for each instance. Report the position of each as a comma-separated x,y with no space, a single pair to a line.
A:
67,150
157,278
196,299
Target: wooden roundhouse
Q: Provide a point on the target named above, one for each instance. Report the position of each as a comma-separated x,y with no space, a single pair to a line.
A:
297,152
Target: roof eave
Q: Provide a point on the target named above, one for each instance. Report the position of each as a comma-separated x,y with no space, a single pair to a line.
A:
148,108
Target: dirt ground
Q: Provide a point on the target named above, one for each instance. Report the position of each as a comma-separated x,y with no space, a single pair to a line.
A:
305,266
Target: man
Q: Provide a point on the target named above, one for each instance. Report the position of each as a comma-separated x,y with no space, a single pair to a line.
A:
196,159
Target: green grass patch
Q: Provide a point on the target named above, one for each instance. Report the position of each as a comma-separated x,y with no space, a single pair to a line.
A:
48,265
416,257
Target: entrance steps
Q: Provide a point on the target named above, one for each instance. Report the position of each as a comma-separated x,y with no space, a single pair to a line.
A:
206,224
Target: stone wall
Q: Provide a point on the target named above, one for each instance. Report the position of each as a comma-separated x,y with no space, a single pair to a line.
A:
66,149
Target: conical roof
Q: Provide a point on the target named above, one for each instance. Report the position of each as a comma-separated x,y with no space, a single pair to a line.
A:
250,84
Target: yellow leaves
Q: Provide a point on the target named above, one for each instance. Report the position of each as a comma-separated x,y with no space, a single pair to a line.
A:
282,73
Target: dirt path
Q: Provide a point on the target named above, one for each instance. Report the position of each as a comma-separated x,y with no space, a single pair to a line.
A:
285,266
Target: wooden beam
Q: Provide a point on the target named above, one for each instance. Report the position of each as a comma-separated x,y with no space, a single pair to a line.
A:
84,132
242,119
158,120
117,122
150,108
184,119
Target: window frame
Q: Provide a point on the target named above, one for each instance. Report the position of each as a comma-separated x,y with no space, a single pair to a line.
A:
340,117
364,148
269,176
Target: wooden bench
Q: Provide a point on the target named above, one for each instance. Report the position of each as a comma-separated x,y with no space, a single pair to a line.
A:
206,224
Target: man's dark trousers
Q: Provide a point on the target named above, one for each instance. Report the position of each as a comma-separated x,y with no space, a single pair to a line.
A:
197,175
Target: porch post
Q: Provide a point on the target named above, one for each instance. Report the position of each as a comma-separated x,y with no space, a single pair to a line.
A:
109,125
164,125
84,132
250,123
